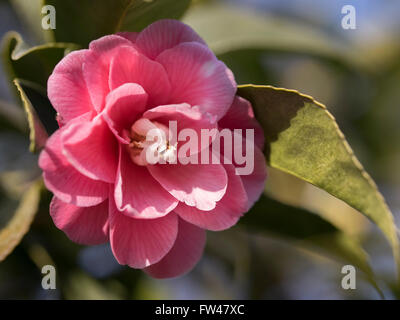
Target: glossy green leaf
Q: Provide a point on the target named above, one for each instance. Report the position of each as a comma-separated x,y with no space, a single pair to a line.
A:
303,139
39,111
247,66
29,69
31,63
86,20
12,232
139,14
296,224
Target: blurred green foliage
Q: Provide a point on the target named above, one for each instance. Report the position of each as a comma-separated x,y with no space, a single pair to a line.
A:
361,90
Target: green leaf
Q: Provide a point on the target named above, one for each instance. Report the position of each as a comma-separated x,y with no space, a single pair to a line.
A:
29,68
247,66
140,14
85,20
39,111
227,28
303,139
275,218
31,63
18,225
29,12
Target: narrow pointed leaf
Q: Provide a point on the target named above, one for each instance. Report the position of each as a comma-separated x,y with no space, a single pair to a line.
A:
39,112
18,225
29,68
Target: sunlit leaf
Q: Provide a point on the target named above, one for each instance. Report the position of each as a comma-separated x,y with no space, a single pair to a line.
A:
15,229
292,223
303,139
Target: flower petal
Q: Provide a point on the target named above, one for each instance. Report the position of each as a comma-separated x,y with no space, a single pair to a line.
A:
198,185
183,256
64,180
241,116
82,225
131,36
165,34
92,149
198,78
124,105
97,66
253,169
186,117
254,183
141,242
128,65
227,211
67,89
137,193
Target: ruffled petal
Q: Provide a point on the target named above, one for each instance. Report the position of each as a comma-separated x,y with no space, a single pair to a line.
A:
92,149
128,65
124,106
65,181
141,242
184,255
96,68
227,211
198,78
131,36
137,193
165,34
197,185
254,183
67,89
186,117
241,116
84,225
252,168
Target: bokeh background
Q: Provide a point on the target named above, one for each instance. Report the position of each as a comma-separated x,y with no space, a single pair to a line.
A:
297,44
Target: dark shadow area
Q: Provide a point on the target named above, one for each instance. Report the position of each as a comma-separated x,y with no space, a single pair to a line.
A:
279,108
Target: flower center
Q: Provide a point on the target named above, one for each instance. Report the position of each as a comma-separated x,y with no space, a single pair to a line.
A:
150,143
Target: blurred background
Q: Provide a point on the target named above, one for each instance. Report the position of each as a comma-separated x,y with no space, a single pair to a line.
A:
297,44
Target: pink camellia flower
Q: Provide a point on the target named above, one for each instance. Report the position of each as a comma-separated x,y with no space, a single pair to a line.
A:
107,97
